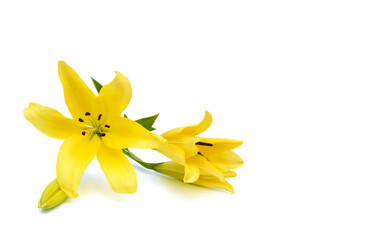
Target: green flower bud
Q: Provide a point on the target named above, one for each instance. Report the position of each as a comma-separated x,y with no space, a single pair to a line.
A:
51,196
171,168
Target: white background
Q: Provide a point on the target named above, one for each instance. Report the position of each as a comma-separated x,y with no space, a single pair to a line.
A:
295,80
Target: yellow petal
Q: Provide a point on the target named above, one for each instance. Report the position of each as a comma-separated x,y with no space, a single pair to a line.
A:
215,183
125,133
172,151
226,161
192,172
49,121
195,164
75,154
200,127
206,167
172,133
119,171
230,174
219,145
78,97
190,149
190,130
186,143
115,96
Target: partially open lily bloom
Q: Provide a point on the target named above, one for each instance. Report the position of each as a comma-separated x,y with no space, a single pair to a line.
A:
199,155
97,129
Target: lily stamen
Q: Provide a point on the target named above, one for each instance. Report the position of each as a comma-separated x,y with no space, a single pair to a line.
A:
92,120
99,117
80,120
204,144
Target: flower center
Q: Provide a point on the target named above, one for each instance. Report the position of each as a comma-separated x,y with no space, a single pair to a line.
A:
93,125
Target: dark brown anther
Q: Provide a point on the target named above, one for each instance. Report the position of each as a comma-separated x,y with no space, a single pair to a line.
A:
107,126
204,144
99,117
102,134
203,156
83,133
87,114
80,119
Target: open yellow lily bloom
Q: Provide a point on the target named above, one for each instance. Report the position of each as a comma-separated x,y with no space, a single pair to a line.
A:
200,156
97,129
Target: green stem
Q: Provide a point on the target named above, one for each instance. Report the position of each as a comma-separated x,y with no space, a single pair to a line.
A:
151,166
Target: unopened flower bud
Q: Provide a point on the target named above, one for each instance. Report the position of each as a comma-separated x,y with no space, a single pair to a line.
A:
51,196
176,170
171,169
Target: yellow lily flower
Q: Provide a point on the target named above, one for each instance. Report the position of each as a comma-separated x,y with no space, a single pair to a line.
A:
176,170
198,154
97,129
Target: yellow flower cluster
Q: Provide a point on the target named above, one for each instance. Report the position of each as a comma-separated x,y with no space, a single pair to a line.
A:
98,129
199,160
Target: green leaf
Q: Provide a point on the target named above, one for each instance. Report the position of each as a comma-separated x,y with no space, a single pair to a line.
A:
148,122
97,85
125,116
